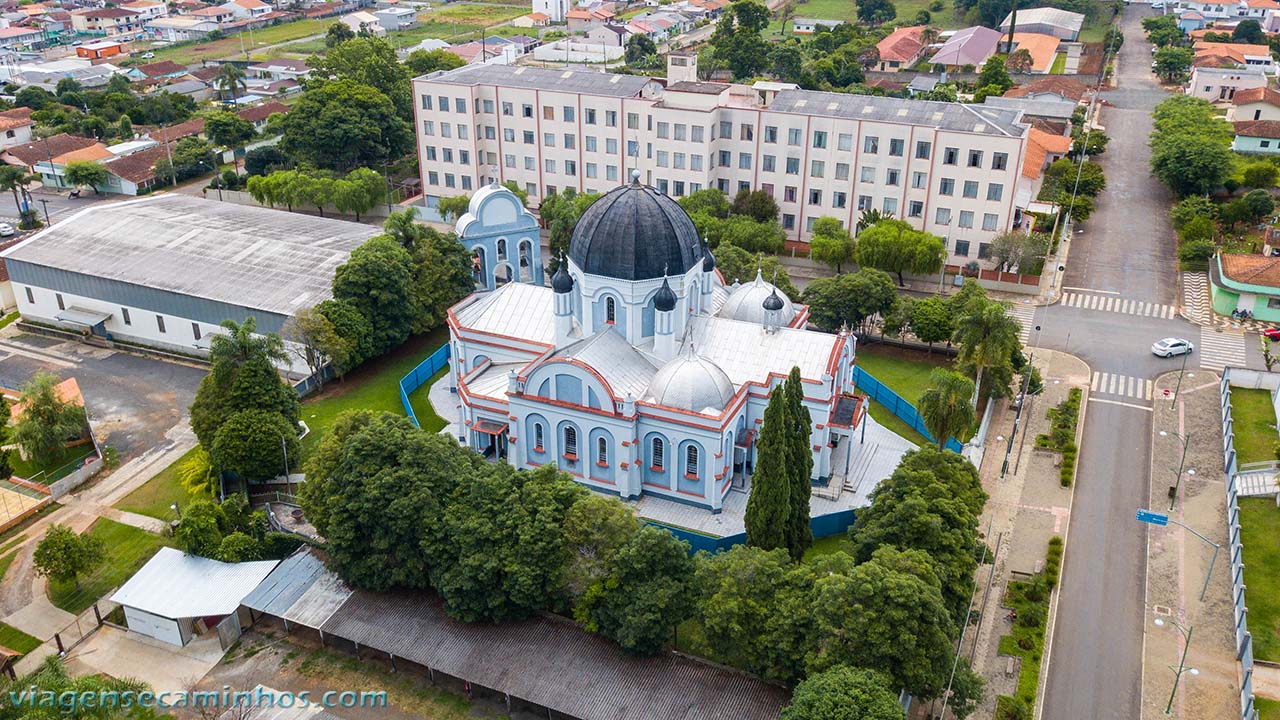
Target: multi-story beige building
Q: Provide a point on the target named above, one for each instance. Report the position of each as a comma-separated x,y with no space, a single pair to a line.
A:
949,168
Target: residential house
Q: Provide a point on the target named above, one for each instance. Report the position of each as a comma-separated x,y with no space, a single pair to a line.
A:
147,9
396,18
1246,282
1257,137
15,127
713,8
610,35
1046,21
1221,84
180,28
52,171
1043,149
29,154
1210,53
173,133
197,90
640,27
106,21
532,20
163,70
100,49
581,20
248,9
969,47
131,173
1256,9
361,21
1053,87
258,114
1042,48
1190,21
554,10
280,69
1256,104
922,84
219,15
901,49
18,36
808,26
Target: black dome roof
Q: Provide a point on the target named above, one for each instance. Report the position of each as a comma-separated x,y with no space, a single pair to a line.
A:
708,260
773,302
665,299
635,233
561,282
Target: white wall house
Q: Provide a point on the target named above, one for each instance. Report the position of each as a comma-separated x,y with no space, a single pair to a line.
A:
1221,84
948,168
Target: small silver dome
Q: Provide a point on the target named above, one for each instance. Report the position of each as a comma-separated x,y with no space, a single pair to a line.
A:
690,382
746,303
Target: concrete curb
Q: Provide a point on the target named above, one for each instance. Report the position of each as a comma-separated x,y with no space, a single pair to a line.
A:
1052,620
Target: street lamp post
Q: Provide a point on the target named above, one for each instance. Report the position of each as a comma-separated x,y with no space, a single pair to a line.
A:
45,204
1178,389
284,447
1182,661
1177,478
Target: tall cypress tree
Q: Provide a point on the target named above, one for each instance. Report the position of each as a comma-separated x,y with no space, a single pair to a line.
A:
769,507
799,468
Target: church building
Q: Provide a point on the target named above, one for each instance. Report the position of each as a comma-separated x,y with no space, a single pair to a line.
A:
639,371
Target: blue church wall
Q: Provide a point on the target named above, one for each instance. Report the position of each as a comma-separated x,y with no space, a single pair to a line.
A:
502,234
646,319
684,484
823,526
568,389
598,313
593,400
544,389
570,465
602,470
658,478
535,456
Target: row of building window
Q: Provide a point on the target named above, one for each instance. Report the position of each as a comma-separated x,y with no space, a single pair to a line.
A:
657,449
124,314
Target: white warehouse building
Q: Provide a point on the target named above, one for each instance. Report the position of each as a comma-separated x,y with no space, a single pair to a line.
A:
166,270
952,169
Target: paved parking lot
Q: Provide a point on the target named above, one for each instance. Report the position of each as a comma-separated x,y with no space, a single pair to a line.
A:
132,401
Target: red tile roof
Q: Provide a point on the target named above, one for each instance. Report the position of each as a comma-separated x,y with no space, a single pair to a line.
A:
195,126
902,45
1253,95
258,113
164,67
53,146
15,118
1066,87
137,167
1258,128
1251,269
1039,145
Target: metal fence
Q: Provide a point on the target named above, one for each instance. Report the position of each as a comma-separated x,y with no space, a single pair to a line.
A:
419,375
1244,640
905,411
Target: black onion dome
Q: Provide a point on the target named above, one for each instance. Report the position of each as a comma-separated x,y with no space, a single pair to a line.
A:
635,232
562,281
708,260
665,299
773,302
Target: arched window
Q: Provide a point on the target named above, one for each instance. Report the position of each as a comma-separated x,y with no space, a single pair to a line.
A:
570,440
610,310
691,460
658,452
602,451
502,249
537,437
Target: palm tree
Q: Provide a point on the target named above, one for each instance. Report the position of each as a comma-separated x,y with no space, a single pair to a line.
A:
987,337
929,36
944,405
16,180
230,79
241,343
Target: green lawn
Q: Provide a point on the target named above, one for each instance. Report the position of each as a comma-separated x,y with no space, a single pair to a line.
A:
14,639
375,386
829,545
1059,64
5,562
157,495
194,52
52,470
1255,425
1094,30
1267,709
904,372
128,549
1260,535
8,319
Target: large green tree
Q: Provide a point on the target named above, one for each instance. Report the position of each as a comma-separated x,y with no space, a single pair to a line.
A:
63,555
944,405
831,243
376,280
769,505
199,531
422,62
242,376
737,42
85,173
799,534
47,420
850,298
932,320
352,327
343,125
1173,63
896,247
647,591
738,265
228,129
595,529
369,61
255,444
506,555
53,677
560,213
994,73
741,591
844,693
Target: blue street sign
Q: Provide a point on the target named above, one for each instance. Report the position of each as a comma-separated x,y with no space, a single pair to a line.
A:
1152,518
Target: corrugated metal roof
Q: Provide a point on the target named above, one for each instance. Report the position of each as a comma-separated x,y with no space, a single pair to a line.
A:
251,257
554,663
621,365
174,584
1040,107
942,115
518,310
747,353
572,81
300,589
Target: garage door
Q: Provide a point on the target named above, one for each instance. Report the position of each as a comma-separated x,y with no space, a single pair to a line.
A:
154,626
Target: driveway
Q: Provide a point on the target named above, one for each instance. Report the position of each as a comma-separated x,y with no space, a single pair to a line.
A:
132,401
122,654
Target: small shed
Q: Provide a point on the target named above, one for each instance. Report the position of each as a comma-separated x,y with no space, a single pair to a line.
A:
174,590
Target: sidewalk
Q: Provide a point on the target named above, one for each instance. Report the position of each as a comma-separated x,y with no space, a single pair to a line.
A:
1027,507
1177,560
1196,307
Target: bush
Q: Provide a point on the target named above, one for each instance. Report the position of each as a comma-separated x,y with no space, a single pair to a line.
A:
1035,590
1031,617
1011,708
1053,561
1196,250
1026,643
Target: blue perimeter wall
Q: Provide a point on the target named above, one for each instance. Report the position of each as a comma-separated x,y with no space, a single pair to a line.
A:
419,375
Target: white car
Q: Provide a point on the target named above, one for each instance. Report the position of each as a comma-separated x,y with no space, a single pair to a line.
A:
1169,347
148,55
6,230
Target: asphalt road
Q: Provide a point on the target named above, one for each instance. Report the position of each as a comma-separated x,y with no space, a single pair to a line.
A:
1126,252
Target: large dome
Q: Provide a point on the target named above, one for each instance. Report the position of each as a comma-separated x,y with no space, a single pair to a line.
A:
746,303
635,233
691,383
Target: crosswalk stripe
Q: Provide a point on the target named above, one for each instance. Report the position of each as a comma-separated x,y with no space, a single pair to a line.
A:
1107,383
1126,306
1220,349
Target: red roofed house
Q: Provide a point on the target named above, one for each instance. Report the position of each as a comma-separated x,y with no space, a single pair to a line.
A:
258,114
106,21
581,20
901,49
1043,149
1051,88
1256,104
1257,137
15,127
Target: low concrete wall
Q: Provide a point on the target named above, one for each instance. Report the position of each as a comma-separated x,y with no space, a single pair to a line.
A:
906,76
72,481
1253,379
